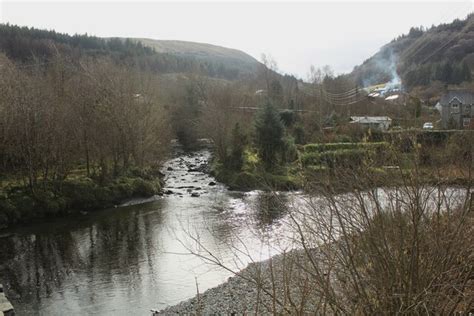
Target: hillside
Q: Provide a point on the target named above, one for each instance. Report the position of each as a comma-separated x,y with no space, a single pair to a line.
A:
27,45
217,56
443,53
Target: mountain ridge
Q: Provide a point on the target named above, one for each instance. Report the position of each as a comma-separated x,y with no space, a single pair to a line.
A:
29,45
443,53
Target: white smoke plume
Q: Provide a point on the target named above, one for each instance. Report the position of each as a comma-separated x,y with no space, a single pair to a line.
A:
384,66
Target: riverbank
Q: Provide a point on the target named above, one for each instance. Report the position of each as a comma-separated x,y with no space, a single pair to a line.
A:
341,180
253,289
329,164
80,194
76,195
325,277
256,179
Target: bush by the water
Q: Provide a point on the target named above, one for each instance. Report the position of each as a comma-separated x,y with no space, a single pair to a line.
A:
257,179
20,204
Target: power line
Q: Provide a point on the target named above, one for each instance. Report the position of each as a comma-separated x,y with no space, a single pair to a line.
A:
348,100
341,97
352,91
255,108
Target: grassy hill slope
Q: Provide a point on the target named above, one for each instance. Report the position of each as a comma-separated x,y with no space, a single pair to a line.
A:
215,57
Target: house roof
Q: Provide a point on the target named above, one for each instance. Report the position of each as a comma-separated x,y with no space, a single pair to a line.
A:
370,119
466,97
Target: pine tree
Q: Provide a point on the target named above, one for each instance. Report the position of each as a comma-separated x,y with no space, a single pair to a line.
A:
465,72
276,92
236,160
447,72
269,131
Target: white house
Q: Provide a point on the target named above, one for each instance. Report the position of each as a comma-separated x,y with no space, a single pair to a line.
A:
374,122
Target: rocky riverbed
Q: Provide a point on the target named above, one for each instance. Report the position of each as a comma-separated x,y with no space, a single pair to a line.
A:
187,174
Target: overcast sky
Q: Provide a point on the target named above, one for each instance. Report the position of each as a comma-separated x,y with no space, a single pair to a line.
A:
297,35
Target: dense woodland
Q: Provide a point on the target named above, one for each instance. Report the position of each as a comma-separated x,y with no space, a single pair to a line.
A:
72,125
57,116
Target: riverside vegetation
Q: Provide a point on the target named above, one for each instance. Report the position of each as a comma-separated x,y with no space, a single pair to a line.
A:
250,163
76,136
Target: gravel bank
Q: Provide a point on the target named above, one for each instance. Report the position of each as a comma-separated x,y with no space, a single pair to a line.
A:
241,295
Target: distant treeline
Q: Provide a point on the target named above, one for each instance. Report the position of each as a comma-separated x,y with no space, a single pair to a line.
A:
446,71
24,45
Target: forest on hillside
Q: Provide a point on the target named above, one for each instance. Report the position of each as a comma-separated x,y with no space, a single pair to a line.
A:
443,53
24,44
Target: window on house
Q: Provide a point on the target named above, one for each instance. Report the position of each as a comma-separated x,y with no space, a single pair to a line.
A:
466,122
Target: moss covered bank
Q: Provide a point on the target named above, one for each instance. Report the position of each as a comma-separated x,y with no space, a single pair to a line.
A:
20,204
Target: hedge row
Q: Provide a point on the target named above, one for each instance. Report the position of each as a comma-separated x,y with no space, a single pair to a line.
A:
320,148
333,155
331,159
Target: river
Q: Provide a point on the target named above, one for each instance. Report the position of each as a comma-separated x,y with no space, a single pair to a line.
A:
136,257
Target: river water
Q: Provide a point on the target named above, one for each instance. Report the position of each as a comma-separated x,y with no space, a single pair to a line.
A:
136,257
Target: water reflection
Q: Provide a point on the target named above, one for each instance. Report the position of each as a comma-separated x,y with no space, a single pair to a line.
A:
104,250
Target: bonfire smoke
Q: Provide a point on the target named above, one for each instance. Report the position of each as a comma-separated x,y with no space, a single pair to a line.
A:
395,82
384,65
